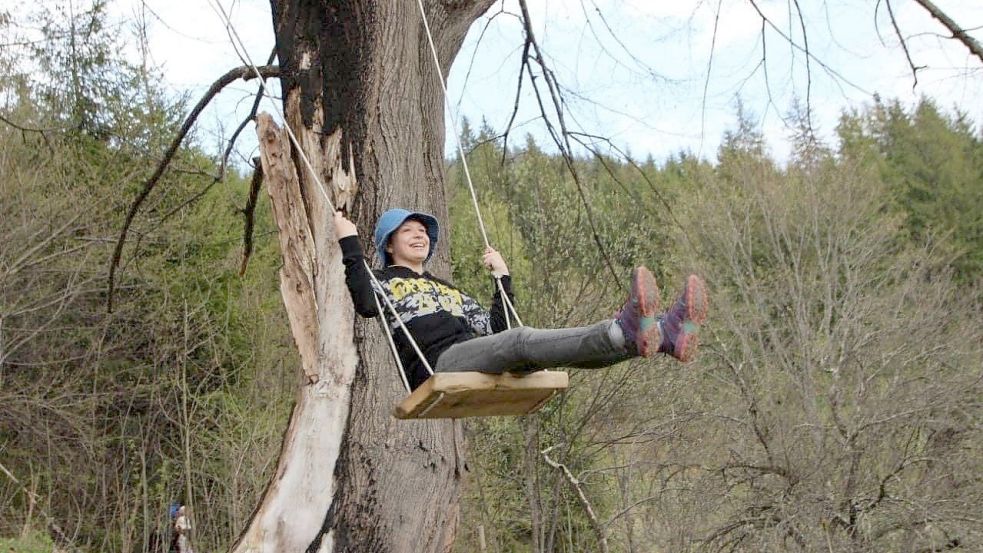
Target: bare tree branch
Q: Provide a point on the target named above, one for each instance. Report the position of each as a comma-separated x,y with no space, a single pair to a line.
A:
562,140
706,83
242,72
839,76
904,44
24,128
518,94
252,115
958,33
805,45
215,179
477,46
616,36
53,527
588,510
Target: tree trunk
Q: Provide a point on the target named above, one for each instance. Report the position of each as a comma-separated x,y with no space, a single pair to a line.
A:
362,95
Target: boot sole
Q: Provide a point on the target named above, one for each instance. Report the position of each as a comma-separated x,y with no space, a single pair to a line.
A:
697,303
687,343
647,291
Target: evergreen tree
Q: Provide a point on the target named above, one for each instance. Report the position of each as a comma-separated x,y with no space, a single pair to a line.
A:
932,165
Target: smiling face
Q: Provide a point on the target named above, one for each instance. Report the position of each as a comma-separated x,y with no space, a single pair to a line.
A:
409,245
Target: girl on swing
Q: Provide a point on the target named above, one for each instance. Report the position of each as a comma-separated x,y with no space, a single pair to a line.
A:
456,334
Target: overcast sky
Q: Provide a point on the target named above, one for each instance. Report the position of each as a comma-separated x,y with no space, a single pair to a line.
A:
643,74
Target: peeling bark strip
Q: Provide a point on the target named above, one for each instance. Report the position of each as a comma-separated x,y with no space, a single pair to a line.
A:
361,93
321,321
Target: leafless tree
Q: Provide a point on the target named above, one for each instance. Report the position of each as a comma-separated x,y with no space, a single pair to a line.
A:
852,371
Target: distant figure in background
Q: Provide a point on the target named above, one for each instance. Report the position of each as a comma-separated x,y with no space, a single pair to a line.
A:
172,532
182,530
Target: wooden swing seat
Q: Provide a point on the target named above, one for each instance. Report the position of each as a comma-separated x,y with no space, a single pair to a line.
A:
454,395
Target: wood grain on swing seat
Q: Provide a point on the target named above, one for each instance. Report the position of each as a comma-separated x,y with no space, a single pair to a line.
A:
454,395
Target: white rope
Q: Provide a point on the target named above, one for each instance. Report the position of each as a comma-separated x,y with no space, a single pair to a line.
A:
392,343
238,43
508,305
464,163
453,116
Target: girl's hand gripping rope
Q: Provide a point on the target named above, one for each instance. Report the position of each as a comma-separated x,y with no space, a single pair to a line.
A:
343,227
494,262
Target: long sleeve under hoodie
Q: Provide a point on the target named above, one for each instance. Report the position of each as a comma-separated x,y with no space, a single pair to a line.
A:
437,314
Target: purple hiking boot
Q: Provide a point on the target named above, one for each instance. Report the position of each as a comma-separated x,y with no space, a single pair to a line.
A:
680,324
637,317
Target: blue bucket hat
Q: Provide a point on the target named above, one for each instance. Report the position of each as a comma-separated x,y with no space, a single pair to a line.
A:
391,220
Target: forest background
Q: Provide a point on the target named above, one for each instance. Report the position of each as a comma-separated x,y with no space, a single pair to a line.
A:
835,404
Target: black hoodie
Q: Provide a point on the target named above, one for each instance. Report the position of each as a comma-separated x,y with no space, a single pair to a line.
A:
437,314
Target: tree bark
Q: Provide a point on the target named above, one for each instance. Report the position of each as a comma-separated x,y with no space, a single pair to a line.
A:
958,32
362,95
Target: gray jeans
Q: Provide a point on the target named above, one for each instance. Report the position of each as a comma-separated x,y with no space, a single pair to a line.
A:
526,349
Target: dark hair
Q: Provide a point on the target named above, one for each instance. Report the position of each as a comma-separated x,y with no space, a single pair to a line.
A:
413,217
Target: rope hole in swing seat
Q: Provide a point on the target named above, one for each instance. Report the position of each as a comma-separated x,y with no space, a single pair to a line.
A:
454,395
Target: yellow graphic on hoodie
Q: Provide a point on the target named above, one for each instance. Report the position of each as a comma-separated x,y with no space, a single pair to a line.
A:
416,297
